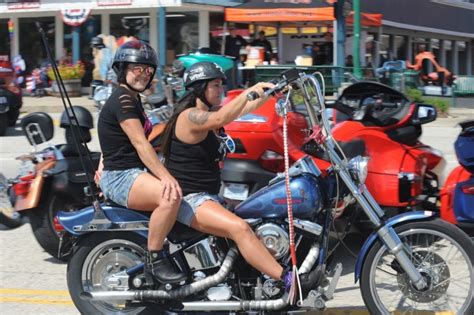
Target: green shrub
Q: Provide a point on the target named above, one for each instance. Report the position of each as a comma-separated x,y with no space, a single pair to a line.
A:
415,95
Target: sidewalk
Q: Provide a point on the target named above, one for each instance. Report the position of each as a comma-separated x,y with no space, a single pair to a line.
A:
52,104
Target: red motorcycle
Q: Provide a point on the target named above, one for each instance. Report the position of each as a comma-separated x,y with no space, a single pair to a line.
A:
370,118
457,194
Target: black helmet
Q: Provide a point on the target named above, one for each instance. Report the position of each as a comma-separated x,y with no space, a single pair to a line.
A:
97,42
203,71
84,117
134,51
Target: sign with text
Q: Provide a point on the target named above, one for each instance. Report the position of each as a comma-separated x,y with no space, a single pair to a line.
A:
103,3
23,4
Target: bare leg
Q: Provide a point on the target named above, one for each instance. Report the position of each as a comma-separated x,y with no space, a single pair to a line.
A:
212,218
144,196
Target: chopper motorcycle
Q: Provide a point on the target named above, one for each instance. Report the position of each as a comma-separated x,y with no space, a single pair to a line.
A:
412,262
457,194
378,121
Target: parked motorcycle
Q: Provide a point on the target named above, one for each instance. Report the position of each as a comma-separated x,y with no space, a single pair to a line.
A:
10,97
52,179
457,194
412,262
8,216
379,122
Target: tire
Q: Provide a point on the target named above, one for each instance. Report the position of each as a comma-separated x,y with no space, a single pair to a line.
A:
42,222
429,241
91,260
13,221
3,124
12,116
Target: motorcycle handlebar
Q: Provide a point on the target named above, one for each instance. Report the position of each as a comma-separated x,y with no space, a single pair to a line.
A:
279,85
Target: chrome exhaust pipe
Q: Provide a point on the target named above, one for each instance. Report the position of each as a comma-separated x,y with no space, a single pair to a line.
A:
256,305
154,295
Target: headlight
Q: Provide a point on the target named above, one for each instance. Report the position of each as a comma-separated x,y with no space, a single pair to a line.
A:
358,168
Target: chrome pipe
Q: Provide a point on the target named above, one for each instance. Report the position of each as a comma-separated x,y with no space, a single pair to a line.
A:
252,305
310,259
154,295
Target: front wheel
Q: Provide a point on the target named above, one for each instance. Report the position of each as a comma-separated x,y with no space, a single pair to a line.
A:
99,263
442,253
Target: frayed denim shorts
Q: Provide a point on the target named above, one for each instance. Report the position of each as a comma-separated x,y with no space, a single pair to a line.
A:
116,185
191,202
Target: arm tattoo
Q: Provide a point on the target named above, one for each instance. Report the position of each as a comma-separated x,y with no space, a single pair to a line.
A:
198,117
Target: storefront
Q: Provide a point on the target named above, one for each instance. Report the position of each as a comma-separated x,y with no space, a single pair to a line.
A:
185,23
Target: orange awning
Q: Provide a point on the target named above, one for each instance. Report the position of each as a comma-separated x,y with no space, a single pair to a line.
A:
276,15
303,15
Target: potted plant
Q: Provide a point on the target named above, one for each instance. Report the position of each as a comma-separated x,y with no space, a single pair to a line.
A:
71,75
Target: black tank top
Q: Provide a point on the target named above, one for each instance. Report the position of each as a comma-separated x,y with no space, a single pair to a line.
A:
196,166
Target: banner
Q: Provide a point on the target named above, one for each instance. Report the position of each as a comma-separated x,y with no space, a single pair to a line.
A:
75,17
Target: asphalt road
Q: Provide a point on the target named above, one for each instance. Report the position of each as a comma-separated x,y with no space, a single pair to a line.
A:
31,282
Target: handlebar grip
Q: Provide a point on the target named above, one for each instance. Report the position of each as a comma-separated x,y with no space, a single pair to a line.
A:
279,85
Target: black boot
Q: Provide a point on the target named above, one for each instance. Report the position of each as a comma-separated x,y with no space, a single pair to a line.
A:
160,267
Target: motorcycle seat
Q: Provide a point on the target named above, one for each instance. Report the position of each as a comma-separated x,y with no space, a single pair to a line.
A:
178,233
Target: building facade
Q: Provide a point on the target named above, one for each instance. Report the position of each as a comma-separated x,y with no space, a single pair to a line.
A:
444,27
186,25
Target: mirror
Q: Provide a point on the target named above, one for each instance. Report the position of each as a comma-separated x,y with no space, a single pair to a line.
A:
424,113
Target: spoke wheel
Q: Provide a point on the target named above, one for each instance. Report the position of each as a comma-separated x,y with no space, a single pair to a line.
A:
100,264
443,255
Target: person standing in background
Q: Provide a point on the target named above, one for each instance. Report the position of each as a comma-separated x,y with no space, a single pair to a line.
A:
327,49
262,41
233,44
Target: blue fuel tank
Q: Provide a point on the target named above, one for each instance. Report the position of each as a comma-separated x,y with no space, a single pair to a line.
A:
270,202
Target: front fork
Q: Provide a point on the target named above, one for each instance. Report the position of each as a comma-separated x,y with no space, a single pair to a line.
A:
373,211
375,214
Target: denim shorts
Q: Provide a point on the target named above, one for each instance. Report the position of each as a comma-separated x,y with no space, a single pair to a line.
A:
116,185
191,202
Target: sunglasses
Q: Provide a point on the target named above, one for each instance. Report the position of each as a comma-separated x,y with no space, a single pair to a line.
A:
227,140
138,70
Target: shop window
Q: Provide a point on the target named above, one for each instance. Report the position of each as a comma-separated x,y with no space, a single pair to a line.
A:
182,33
4,37
31,46
136,25
87,30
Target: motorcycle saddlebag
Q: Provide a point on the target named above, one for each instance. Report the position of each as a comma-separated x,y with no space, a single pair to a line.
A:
464,145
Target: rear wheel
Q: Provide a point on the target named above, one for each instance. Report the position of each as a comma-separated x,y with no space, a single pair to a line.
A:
3,124
12,116
99,263
444,256
42,222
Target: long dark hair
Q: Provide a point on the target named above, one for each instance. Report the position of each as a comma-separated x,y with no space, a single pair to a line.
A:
187,101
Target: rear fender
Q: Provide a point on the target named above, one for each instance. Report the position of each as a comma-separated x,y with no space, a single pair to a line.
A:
31,200
116,215
394,221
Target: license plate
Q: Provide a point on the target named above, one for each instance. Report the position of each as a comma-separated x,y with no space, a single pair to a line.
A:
236,191
3,100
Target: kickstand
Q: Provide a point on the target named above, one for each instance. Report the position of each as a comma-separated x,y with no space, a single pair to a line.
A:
328,294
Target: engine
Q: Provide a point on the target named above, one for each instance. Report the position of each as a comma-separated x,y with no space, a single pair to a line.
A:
275,238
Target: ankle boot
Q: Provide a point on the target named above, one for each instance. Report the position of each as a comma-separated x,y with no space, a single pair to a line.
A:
160,267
